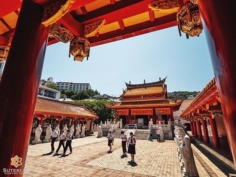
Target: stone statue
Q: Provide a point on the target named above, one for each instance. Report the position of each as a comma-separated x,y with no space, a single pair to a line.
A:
77,132
95,128
121,123
72,129
38,132
58,130
150,123
99,132
161,134
83,131
187,155
48,134
92,124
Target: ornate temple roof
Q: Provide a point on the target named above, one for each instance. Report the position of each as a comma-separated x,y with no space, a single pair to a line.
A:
150,84
144,91
57,108
121,18
151,104
207,100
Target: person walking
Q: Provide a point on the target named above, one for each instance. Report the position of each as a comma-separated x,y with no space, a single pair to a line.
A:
123,142
158,131
131,147
110,140
53,138
68,142
62,138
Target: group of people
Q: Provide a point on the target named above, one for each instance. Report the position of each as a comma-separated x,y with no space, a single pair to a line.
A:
159,134
129,142
65,140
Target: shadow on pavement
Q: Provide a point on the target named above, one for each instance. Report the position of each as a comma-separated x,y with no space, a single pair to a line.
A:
48,153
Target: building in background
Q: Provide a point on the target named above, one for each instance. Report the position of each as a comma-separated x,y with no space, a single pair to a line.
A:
76,87
49,93
142,102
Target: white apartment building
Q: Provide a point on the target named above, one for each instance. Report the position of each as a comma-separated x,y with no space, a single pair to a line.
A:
76,87
49,93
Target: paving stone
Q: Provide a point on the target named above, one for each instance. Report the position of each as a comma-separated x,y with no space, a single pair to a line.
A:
90,159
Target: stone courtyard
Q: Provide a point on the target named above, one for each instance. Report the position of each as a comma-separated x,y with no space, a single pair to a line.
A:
90,159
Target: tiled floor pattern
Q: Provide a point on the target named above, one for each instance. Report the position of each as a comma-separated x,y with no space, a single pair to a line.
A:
90,159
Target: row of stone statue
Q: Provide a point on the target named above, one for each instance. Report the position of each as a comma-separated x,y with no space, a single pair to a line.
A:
185,153
79,132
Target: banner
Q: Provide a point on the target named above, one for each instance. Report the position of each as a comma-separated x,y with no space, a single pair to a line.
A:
123,111
141,112
162,110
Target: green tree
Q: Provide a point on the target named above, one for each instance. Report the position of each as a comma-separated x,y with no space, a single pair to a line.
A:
52,85
99,107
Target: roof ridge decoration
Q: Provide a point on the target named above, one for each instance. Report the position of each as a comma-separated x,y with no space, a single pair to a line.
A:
55,11
164,6
157,83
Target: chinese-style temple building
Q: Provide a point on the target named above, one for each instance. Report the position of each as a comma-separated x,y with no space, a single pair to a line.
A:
60,113
146,101
28,26
207,121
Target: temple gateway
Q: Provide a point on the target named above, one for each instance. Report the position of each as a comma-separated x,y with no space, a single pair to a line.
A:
143,102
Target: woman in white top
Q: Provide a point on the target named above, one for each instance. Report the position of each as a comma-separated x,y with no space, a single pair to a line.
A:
123,142
131,146
110,140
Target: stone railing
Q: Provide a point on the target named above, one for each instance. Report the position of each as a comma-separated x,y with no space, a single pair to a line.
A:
185,153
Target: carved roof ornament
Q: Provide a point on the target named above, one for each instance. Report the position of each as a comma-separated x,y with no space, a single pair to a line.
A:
55,11
189,21
79,48
92,28
167,6
60,33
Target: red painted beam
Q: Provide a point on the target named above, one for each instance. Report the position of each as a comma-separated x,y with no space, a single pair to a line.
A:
71,24
131,31
5,24
122,26
83,9
112,13
3,40
151,15
8,6
112,2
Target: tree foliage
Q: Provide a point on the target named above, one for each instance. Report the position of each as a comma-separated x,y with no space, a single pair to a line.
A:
52,85
98,106
84,94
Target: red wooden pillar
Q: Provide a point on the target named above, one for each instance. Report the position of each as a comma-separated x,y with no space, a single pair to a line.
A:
191,125
171,114
215,137
19,84
199,131
218,17
204,127
195,128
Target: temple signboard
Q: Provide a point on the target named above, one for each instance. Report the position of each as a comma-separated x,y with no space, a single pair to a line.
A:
141,112
123,111
162,110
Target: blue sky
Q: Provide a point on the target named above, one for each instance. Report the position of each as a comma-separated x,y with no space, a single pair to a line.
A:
185,62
